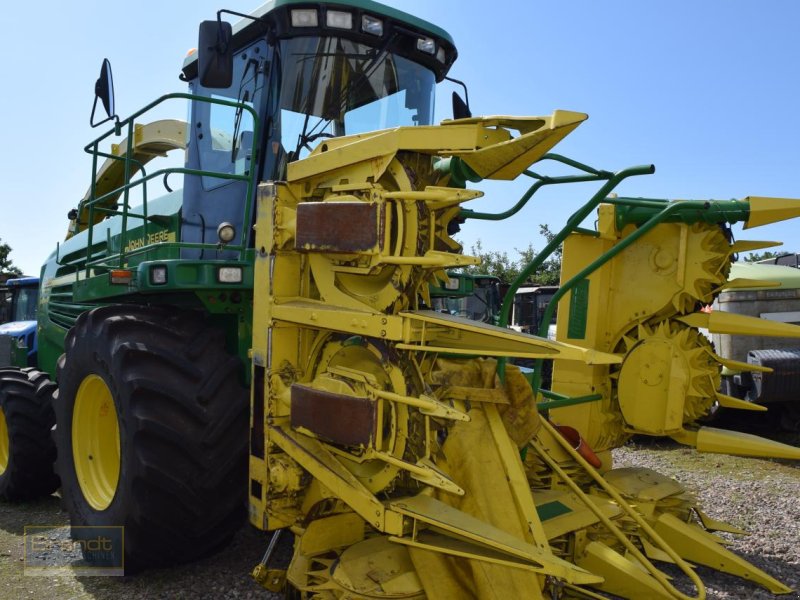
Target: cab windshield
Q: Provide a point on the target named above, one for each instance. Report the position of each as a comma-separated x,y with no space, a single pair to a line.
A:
25,304
332,86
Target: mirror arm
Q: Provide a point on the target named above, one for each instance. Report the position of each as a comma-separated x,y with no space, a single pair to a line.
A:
114,118
246,16
463,85
238,14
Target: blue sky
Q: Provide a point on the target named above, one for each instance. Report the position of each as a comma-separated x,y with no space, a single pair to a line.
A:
707,91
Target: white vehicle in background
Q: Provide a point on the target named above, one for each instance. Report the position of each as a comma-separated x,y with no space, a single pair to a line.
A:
780,388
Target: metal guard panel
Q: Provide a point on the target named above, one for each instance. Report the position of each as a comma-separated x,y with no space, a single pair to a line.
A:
336,418
338,226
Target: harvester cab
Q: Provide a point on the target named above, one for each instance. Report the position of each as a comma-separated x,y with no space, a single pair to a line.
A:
305,75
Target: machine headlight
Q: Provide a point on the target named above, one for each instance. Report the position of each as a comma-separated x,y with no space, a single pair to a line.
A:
371,25
339,19
305,18
226,232
158,275
426,45
229,275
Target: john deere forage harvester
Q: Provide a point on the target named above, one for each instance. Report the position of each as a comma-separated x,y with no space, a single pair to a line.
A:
319,205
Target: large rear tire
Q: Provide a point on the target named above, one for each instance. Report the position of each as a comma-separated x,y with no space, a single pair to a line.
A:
790,416
152,433
27,451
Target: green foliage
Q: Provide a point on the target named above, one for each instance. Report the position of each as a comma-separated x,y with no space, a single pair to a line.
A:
7,267
757,256
507,269
550,271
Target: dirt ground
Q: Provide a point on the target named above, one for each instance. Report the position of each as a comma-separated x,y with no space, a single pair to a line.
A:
226,575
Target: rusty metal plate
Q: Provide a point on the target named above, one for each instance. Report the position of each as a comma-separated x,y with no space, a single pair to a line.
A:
336,418
338,226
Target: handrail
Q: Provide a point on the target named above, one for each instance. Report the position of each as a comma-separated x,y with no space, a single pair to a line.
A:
92,202
572,223
104,261
542,180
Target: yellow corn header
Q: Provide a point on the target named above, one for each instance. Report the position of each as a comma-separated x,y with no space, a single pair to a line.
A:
407,466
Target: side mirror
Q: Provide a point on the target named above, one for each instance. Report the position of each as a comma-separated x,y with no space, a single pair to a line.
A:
460,108
215,54
104,91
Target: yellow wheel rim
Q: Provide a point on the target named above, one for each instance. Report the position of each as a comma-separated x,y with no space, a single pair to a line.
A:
95,442
4,443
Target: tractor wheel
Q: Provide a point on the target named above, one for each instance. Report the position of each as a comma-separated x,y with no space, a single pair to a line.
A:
789,416
27,451
152,433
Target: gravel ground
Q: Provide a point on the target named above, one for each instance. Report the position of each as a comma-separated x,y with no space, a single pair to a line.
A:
223,576
757,495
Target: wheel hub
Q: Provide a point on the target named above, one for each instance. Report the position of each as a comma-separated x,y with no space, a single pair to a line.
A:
668,377
95,442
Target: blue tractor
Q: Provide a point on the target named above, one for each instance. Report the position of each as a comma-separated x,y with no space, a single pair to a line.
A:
26,413
18,322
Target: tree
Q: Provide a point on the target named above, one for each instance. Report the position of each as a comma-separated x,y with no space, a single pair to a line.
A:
499,264
494,263
757,256
7,267
550,271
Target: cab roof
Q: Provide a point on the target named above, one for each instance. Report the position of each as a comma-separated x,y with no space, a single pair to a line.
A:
23,282
275,14
364,5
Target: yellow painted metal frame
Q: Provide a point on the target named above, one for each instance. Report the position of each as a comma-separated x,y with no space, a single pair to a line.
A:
313,300
297,310
630,511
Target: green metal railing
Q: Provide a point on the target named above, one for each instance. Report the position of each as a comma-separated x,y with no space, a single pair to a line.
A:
647,214
93,203
592,174
572,226
644,213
